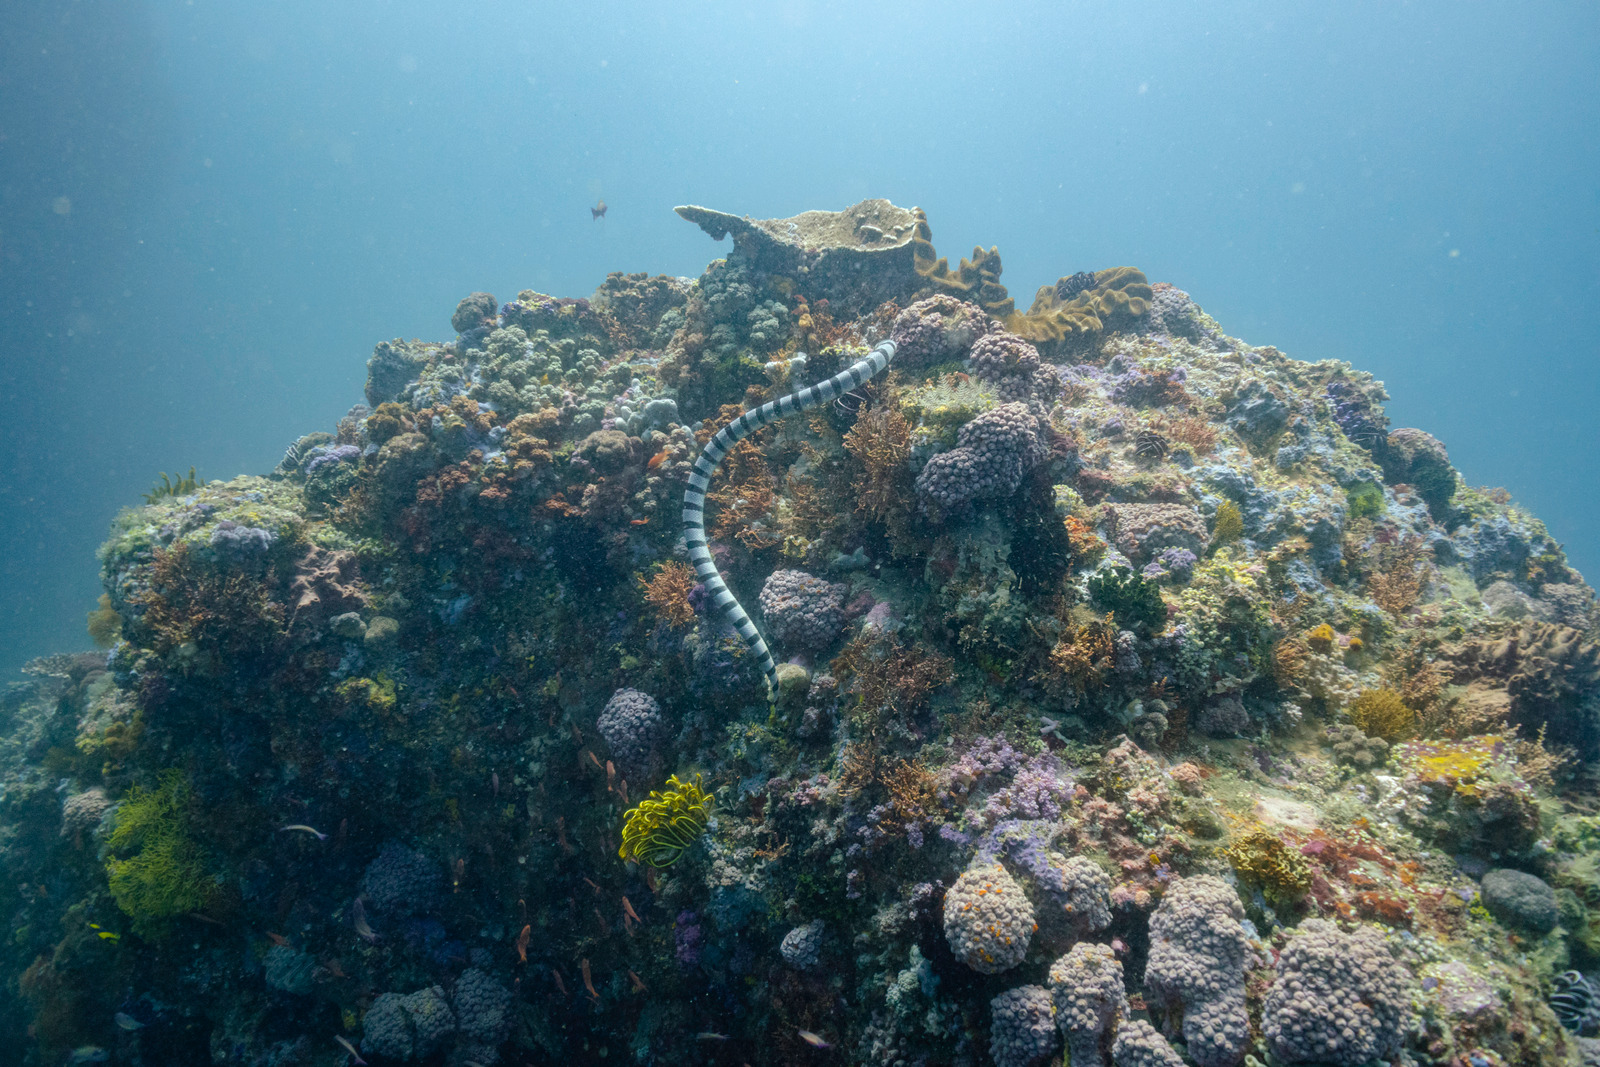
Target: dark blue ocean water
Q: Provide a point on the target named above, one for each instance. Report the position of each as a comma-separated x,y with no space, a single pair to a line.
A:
210,211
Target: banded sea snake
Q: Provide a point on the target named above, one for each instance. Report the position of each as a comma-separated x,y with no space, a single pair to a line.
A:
694,499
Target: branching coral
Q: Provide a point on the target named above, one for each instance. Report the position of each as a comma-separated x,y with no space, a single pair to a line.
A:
1264,861
188,600
1400,575
667,592
664,825
1085,653
1382,713
890,678
156,869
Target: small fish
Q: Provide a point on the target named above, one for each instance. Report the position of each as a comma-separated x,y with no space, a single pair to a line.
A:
318,834
494,782
638,983
522,943
559,983
1119,946
104,935
588,981
812,1039
127,1022
88,1054
707,1035
278,939
358,919
627,909
598,211
348,1047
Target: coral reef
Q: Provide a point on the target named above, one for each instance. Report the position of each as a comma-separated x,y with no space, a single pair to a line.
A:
632,725
1129,670
1022,1030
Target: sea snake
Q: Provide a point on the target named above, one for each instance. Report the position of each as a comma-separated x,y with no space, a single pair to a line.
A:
694,499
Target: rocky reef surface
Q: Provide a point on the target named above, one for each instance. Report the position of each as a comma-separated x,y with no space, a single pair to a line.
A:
1144,698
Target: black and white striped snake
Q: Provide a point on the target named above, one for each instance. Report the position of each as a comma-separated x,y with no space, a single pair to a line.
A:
694,499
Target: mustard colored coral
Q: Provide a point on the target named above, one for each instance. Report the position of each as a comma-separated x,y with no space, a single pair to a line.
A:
663,826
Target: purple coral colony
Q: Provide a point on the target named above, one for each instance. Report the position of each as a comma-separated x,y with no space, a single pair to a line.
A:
1140,697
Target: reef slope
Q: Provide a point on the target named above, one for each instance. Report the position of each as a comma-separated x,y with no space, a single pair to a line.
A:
1143,697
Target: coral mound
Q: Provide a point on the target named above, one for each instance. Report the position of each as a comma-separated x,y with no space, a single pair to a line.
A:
1196,968
450,730
1338,999
987,919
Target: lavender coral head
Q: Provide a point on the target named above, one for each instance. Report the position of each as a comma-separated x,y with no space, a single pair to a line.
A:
330,456
401,881
992,455
802,611
937,330
241,544
632,725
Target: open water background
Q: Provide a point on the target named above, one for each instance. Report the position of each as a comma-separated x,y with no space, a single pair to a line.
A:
210,211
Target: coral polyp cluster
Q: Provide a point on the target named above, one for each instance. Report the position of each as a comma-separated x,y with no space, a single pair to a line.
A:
1084,686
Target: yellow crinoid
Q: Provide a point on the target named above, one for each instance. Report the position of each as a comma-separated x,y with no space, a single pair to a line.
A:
666,823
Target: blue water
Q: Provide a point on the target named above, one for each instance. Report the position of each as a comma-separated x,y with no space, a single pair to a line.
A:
210,211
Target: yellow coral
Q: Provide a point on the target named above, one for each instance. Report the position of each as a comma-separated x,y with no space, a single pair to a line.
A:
1321,638
1277,869
163,872
657,832
1228,524
1382,713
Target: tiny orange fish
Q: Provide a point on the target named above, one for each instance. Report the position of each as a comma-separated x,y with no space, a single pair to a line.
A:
638,983
588,982
522,943
655,460
813,1040
278,939
627,908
